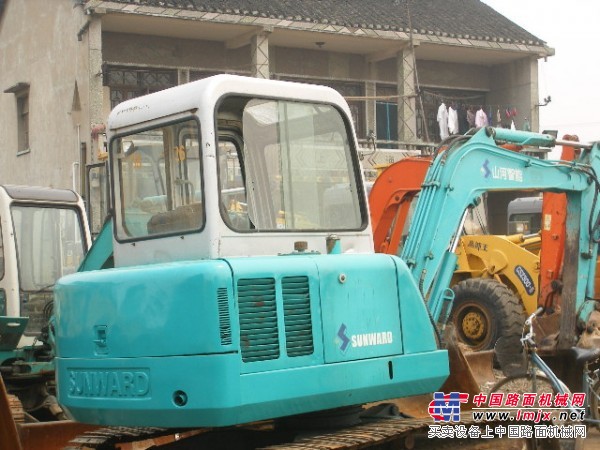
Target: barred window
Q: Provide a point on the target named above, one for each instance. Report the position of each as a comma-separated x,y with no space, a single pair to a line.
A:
127,83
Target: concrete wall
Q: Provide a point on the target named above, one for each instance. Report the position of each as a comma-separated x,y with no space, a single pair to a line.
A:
317,64
39,46
154,51
441,74
454,76
516,84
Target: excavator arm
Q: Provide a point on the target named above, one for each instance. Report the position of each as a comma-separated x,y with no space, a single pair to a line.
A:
472,166
390,201
553,237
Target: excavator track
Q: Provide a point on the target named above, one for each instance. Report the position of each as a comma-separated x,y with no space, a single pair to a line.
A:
109,437
372,433
16,409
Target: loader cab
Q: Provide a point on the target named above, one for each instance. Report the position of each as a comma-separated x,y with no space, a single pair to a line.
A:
43,236
234,174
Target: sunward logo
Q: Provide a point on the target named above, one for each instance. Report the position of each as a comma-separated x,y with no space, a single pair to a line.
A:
485,169
446,407
344,340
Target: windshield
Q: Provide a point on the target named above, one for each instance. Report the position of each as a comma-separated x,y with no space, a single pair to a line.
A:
286,166
159,190
49,244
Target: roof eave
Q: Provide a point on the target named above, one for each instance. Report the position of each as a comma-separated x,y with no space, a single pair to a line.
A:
104,7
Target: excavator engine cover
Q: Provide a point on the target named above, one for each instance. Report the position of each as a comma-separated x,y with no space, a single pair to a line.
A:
232,341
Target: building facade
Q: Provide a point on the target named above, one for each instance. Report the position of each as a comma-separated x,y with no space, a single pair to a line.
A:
66,63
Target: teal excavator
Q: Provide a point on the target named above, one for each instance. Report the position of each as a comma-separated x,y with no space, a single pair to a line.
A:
237,280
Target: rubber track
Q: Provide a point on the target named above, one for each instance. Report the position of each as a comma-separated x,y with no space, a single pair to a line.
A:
16,408
107,438
374,432
369,434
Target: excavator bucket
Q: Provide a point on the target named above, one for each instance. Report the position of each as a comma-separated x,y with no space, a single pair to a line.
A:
481,365
469,371
464,377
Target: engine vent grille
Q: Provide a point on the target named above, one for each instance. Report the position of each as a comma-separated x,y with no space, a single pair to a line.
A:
258,319
224,319
297,316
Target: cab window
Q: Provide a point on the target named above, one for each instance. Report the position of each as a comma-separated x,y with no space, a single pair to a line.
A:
286,166
159,187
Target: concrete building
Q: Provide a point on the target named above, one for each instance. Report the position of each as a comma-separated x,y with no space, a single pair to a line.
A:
65,63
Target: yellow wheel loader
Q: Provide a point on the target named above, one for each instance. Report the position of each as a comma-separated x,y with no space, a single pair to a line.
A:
495,285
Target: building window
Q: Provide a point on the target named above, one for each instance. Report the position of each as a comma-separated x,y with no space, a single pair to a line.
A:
357,107
200,75
23,122
386,114
127,83
387,121
21,92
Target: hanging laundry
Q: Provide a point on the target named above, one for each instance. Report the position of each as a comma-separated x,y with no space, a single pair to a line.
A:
442,118
481,119
526,126
452,120
512,125
498,118
471,117
463,121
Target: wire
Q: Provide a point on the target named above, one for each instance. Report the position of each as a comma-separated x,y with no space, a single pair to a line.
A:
593,228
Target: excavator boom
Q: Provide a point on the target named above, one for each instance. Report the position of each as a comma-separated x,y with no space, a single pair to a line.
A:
447,193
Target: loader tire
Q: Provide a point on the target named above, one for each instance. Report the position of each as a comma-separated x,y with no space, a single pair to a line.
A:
485,311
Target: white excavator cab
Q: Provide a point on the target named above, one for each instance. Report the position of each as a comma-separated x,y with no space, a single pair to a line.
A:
43,236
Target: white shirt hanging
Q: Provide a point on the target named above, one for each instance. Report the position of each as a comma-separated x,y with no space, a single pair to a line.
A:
452,120
442,118
481,119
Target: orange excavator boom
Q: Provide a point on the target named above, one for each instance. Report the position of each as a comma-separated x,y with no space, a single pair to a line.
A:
554,213
390,201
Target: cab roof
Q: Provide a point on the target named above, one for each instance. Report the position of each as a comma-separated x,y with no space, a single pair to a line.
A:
205,94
